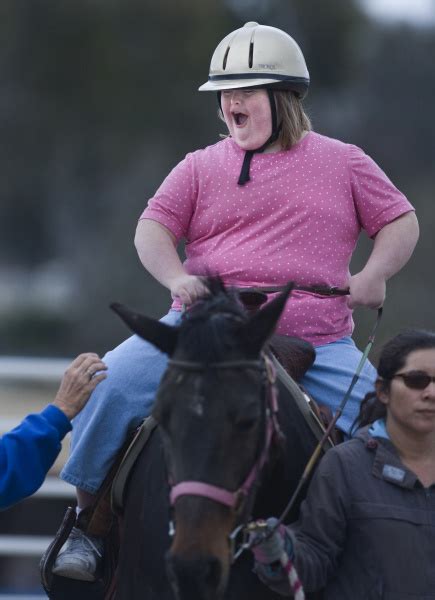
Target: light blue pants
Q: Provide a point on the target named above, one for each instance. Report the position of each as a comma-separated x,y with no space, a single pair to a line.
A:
120,402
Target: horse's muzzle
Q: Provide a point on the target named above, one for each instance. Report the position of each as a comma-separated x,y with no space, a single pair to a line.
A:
200,578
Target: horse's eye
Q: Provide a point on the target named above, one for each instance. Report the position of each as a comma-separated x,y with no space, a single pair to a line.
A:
245,425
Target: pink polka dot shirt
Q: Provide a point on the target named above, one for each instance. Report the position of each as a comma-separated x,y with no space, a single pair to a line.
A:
297,219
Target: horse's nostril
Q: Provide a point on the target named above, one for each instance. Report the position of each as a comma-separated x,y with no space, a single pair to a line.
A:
195,578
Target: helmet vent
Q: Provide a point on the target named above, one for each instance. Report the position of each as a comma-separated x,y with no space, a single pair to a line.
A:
251,54
224,64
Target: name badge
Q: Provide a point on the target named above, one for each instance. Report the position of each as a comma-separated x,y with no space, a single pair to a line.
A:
393,473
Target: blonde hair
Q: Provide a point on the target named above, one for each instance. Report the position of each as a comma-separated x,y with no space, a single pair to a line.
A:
292,118
290,115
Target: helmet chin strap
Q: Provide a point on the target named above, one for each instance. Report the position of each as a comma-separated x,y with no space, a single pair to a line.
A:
244,172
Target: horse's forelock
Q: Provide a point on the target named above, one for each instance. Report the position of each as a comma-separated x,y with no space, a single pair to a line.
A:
219,300
208,328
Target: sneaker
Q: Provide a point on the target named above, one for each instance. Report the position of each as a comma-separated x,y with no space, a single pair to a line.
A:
79,557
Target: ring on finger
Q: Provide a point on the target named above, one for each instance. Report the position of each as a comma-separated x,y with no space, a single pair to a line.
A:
90,373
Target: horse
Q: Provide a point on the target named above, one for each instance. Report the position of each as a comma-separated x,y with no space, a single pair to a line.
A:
219,457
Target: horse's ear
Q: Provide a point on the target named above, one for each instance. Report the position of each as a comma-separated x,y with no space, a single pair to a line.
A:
164,337
262,324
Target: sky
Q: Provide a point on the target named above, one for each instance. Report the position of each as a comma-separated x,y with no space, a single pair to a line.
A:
417,12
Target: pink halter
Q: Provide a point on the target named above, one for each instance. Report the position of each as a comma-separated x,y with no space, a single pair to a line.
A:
218,494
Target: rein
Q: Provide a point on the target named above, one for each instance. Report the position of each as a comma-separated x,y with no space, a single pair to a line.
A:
315,456
218,494
321,290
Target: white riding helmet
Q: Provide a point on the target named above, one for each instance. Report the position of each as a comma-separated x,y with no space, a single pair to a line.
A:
258,55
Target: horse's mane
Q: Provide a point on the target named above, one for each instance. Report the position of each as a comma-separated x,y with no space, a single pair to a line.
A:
208,328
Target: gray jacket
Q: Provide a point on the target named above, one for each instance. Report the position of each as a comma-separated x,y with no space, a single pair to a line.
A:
367,528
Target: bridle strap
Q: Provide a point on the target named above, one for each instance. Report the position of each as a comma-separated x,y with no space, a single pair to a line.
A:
218,494
206,490
221,495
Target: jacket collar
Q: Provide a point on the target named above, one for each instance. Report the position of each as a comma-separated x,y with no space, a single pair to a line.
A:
386,462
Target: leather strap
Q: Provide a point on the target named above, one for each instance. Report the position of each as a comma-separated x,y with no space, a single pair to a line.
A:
303,402
120,480
48,558
321,290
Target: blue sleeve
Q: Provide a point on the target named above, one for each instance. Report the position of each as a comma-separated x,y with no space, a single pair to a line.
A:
28,451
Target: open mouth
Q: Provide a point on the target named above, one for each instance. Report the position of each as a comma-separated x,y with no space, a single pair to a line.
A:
240,119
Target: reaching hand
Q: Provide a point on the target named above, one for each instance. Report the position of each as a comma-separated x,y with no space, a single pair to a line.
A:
79,380
366,290
188,288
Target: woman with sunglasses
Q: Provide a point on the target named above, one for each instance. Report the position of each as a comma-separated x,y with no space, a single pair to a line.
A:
367,528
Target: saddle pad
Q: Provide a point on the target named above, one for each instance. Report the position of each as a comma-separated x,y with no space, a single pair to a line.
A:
120,480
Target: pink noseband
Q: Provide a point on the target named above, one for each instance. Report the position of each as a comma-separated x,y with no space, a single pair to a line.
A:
221,495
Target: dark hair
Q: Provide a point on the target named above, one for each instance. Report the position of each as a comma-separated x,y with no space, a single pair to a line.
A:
392,358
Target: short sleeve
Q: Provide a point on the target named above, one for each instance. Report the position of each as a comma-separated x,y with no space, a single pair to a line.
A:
376,198
174,201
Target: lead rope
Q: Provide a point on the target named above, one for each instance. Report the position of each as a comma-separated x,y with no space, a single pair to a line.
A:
293,577
260,532
286,563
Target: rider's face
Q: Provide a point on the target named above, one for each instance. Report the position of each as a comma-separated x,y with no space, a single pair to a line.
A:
248,116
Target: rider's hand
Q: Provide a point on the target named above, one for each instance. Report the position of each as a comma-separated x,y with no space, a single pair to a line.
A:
271,548
188,288
79,380
366,289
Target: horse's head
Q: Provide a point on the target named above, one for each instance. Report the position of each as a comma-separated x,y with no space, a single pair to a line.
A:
211,406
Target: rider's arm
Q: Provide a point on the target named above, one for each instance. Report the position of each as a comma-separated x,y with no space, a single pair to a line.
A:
156,247
393,247
388,218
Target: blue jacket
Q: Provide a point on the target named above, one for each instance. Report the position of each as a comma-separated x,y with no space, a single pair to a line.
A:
28,451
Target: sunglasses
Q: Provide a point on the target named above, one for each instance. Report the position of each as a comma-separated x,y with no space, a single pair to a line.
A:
416,380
